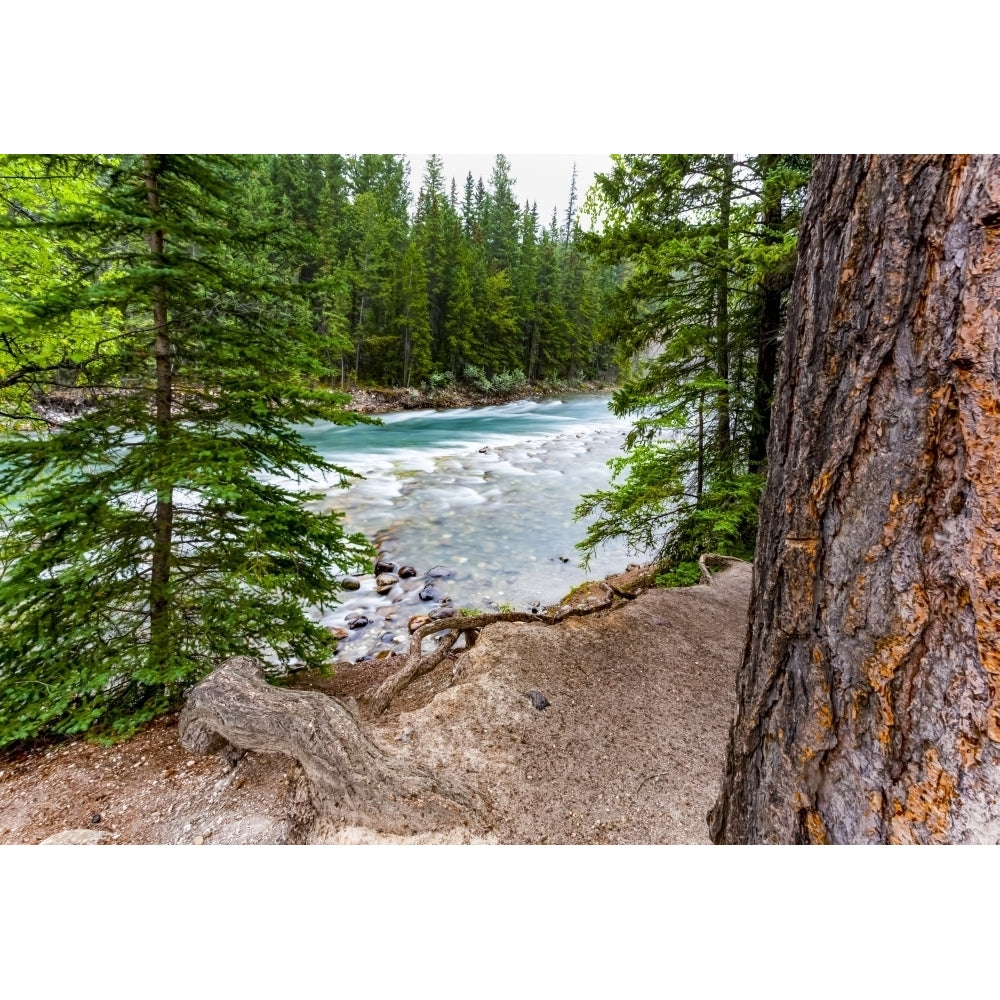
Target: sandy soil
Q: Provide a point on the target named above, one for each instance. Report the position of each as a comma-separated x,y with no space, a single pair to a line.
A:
629,751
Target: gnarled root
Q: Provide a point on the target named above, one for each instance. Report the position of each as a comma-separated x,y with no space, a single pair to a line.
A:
469,626
348,777
709,559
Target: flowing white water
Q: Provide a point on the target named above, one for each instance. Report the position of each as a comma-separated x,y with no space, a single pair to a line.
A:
486,492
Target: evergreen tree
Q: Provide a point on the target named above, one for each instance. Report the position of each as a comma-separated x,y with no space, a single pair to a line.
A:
412,318
701,246
36,356
502,223
153,535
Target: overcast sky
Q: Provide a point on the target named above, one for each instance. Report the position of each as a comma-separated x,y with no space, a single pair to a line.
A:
540,177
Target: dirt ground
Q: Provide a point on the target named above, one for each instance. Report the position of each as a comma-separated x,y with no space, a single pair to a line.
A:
629,750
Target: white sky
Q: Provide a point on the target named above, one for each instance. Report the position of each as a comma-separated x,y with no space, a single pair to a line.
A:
540,177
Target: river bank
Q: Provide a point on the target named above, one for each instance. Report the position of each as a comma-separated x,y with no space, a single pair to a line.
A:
374,401
64,404
629,750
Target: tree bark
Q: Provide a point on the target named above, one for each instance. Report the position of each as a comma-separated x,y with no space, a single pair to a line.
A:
869,692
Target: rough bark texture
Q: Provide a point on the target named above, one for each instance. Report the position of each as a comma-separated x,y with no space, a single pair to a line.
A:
869,692
348,778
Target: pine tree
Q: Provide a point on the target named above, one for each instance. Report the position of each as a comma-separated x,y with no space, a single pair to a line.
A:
34,266
154,534
412,310
701,247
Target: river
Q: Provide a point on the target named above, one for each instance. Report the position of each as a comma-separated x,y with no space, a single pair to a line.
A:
487,493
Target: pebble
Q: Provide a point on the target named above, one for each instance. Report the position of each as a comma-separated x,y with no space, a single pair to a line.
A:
439,573
538,699
198,841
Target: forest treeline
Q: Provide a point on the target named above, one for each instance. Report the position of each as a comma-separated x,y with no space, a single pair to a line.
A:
453,284
706,247
462,283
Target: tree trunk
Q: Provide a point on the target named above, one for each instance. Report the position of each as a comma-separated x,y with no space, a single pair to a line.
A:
768,329
163,518
869,693
722,312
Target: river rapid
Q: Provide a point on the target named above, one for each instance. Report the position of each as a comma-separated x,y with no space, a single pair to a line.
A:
484,495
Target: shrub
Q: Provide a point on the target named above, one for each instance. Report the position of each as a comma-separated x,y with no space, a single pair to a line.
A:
683,574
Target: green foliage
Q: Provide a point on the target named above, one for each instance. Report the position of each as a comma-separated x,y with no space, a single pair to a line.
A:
477,377
508,381
705,247
500,384
441,380
157,532
684,574
396,298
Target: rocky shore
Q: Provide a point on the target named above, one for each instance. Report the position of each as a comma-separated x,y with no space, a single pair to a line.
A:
375,400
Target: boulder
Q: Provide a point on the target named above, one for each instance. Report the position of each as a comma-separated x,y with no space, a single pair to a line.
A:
439,573
349,583
430,593
416,621
406,571
337,632
384,582
384,566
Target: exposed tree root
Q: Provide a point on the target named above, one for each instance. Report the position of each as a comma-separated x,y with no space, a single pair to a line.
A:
709,559
470,626
346,776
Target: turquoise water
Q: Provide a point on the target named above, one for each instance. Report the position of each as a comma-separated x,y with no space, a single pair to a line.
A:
487,492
